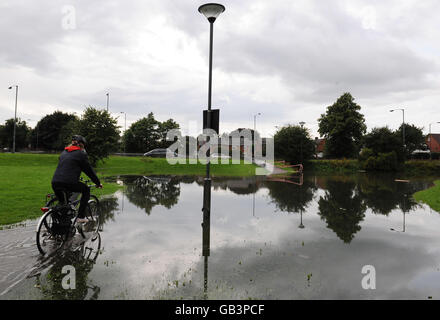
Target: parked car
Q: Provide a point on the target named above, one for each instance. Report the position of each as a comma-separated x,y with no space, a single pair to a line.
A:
220,156
160,153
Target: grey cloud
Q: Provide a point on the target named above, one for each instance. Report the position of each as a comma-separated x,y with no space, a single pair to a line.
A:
327,52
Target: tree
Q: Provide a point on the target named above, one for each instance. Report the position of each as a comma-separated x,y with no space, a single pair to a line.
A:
414,138
7,134
343,127
147,134
293,144
163,129
383,150
101,132
49,129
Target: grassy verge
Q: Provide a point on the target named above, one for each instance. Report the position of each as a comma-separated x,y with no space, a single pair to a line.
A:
420,167
411,167
160,166
25,179
430,196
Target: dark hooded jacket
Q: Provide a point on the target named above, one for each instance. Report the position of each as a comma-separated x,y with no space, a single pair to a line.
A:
72,161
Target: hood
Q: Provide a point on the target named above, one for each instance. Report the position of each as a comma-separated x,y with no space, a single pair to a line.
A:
72,148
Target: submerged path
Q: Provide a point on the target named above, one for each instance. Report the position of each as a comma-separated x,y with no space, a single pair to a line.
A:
18,254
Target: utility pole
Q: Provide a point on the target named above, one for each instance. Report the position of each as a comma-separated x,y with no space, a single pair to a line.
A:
15,117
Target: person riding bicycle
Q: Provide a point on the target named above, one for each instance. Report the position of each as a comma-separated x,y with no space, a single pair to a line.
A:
74,160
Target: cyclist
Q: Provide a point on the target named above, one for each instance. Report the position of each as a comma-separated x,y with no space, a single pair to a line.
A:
74,160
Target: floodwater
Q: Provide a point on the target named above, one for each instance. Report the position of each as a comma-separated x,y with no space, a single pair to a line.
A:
303,237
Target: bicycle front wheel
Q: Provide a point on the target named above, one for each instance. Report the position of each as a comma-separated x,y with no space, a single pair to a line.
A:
92,214
47,240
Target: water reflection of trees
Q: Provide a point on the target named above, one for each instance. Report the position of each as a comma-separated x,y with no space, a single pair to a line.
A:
147,192
239,186
383,194
107,208
343,208
291,197
347,198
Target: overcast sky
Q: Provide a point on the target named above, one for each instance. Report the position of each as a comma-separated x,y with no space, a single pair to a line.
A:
285,59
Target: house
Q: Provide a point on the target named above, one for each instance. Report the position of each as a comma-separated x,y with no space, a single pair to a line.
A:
433,142
319,147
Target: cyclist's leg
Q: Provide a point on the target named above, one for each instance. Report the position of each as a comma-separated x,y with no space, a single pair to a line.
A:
59,190
85,197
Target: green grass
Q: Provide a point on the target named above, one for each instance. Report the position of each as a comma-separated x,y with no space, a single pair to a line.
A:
160,166
25,179
430,196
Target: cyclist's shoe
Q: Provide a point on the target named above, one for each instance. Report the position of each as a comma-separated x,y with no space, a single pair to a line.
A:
82,220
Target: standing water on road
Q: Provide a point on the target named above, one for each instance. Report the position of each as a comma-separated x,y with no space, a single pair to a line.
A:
310,237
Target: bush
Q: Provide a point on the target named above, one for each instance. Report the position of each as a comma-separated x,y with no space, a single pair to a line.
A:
423,167
334,166
381,162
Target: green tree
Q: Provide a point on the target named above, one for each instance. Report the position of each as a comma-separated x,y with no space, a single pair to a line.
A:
163,129
101,132
21,134
49,129
68,130
147,134
414,138
383,150
343,127
293,144
142,135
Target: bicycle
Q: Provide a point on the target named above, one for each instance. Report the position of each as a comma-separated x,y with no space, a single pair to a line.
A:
58,223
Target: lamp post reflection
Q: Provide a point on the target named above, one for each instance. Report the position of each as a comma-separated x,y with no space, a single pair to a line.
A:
301,226
206,229
403,211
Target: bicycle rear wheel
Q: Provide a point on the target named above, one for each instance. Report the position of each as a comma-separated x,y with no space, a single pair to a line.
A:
47,240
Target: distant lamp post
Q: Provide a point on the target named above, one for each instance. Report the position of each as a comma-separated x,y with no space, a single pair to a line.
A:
15,116
255,120
253,135
403,125
125,126
107,94
211,11
302,123
430,140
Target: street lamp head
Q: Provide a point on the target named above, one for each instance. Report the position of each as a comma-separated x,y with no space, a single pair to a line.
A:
10,88
211,11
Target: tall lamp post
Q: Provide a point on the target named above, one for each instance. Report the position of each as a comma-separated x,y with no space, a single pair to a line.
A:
255,120
403,126
430,140
302,123
253,136
15,116
107,94
125,125
211,11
